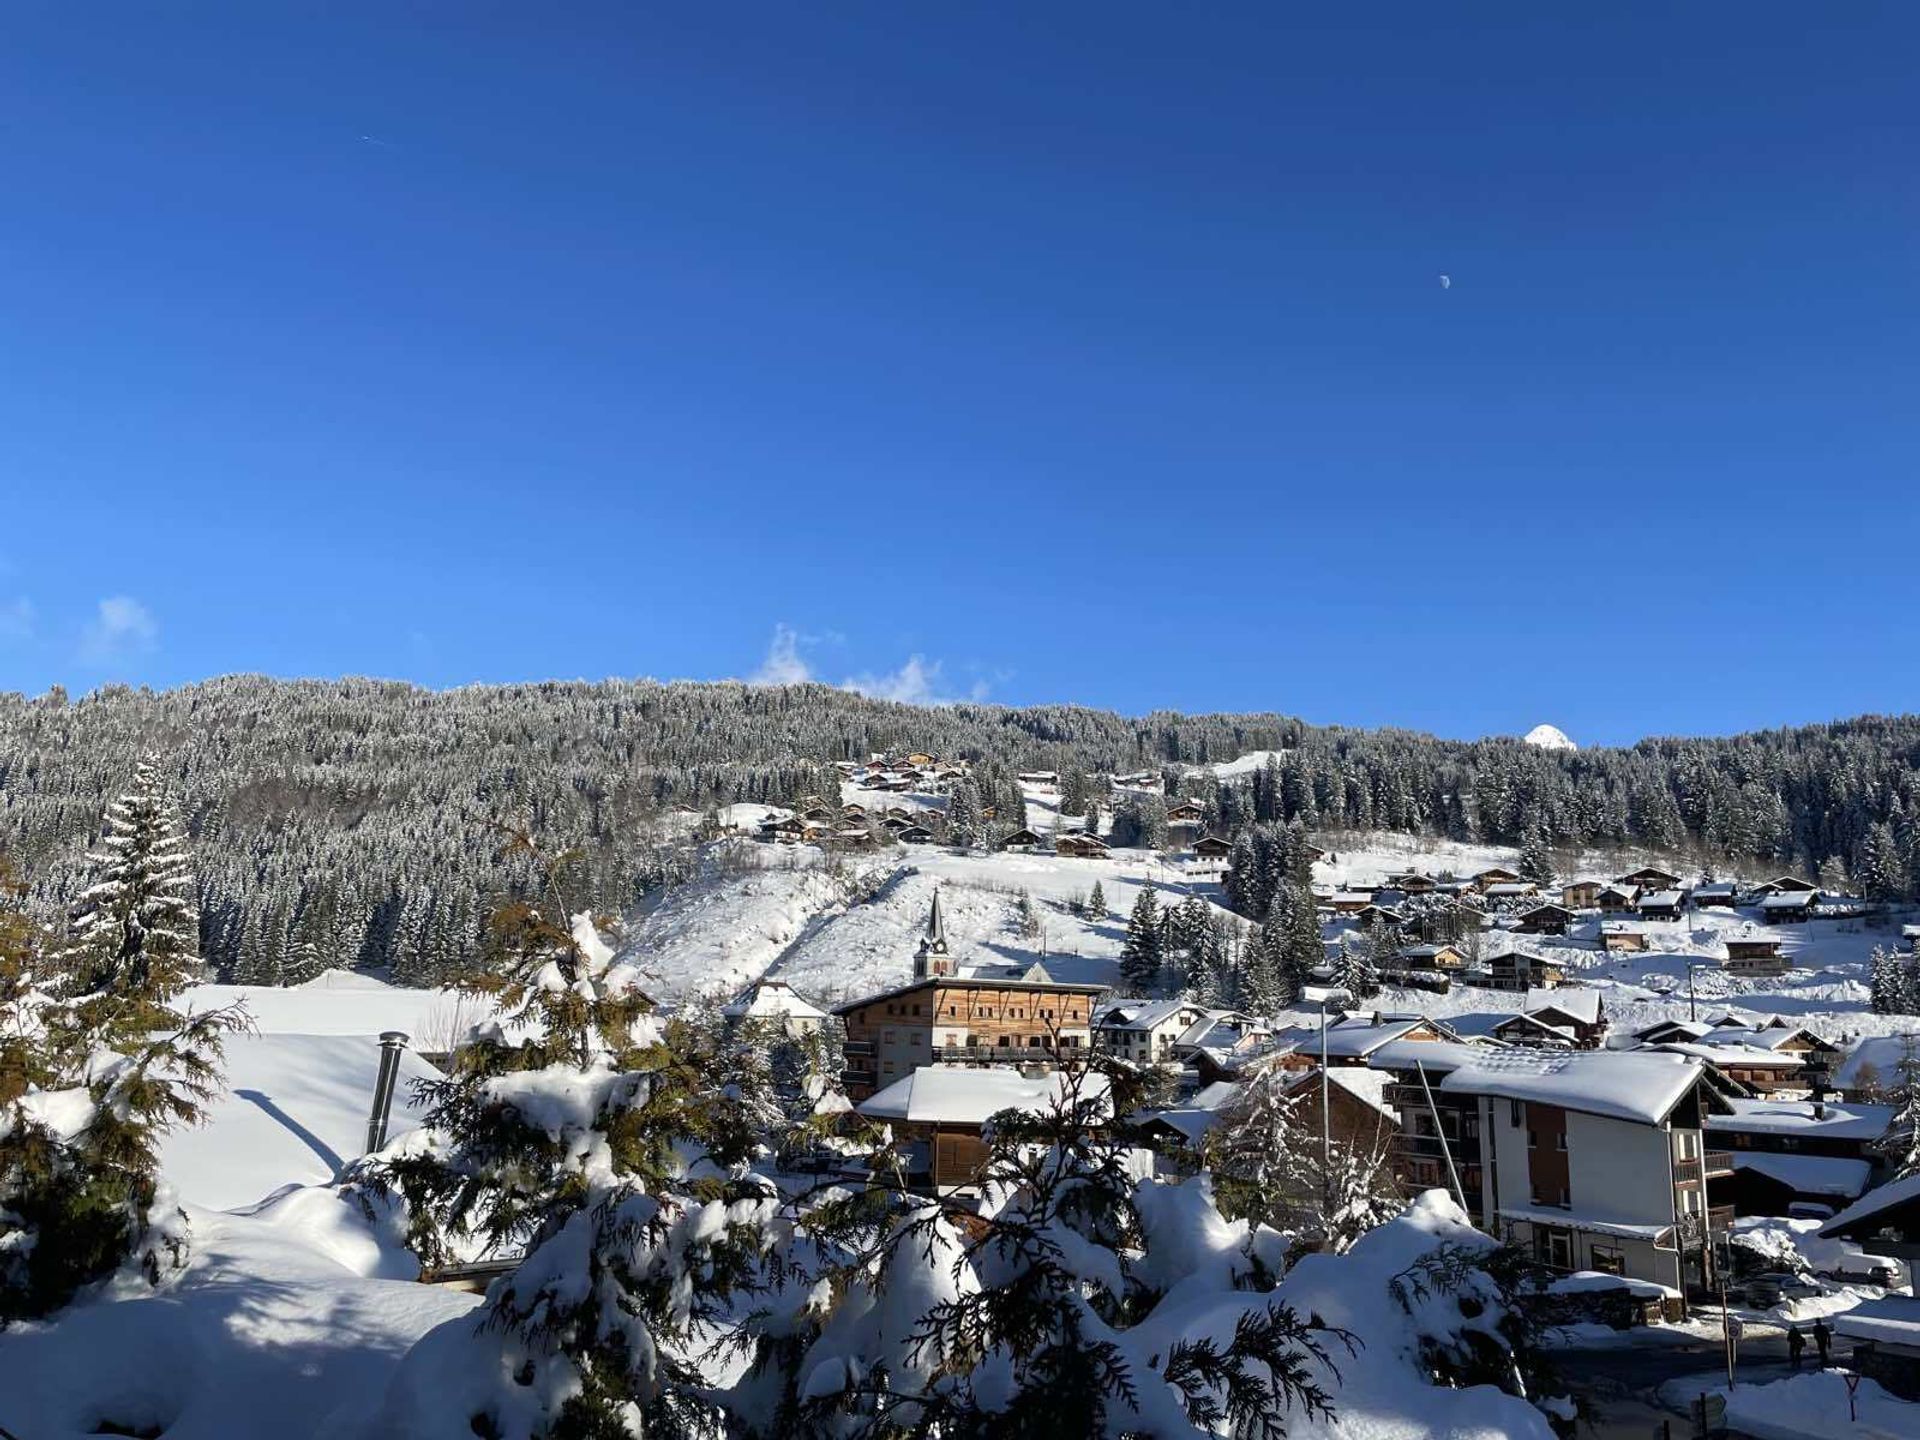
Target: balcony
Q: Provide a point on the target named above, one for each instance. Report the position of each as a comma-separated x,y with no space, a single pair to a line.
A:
1720,1217
998,1055
1718,1162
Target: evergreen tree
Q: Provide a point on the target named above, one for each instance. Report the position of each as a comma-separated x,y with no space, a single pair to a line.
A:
1097,902
1901,1142
1880,869
1140,954
1536,860
137,929
965,827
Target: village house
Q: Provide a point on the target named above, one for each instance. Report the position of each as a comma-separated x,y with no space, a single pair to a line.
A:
1507,890
1353,1039
1754,1068
1350,902
1649,877
1594,1160
1789,907
914,835
1496,875
1544,920
1754,955
1662,904
1787,1153
1185,812
1618,937
776,1004
1516,970
1409,882
1144,1031
1716,894
1617,899
942,1110
1784,885
1443,958
1581,894
1211,847
945,1017
1581,1012
1023,842
1370,915
1079,845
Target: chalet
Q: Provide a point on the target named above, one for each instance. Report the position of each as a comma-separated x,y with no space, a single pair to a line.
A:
1662,904
1212,847
1591,1160
1518,970
1616,899
955,1020
1185,813
1581,894
894,824
1496,875
1790,907
775,1004
1039,777
1357,1111
1544,920
1430,957
1144,1031
1911,934
1500,890
1716,894
1350,902
818,814
901,812
1756,1068
914,835
919,760
1409,882
1579,1011
1662,1032
1355,1038
1617,937
790,831
1785,885
942,1110
852,810
1650,877
1313,853
852,838
1533,1030
1893,1208
1024,842
1368,916
1823,1129
1080,845
1754,955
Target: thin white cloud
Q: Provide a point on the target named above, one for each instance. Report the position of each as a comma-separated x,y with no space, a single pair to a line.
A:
17,619
121,627
784,665
918,682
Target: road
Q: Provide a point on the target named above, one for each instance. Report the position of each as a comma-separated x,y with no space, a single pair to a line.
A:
1622,1381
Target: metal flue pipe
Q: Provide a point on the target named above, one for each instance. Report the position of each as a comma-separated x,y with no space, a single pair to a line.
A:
392,1042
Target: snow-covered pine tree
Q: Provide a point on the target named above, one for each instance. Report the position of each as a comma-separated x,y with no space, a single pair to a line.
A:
1097,902
1901,1143
137,927
1035,1328
1536,859
572,1133
1140,954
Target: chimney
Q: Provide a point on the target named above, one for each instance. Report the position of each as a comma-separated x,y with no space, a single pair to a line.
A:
392,1042
1819,1109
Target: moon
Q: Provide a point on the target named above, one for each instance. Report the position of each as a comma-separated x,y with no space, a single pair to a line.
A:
1446,282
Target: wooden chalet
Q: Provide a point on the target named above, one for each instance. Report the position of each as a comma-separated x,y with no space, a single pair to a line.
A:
1790,907
1616,899
1581,894
1443,958
1212,847
1351,902
1544,920
1662,904
914,835
1080,845
1185,813
1023,841
1716,895
1371,915
1785,884
1650,877
1619,938
1754,955
1409,882
1517,970
1496,875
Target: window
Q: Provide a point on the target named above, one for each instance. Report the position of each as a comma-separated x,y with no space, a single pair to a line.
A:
1513,1113
1608,1261
1560,1140
1005,1041
1533,1140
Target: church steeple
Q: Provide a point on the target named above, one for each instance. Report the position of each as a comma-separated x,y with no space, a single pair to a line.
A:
931,958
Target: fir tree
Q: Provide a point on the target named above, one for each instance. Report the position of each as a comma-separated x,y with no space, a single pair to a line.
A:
1097,902
1536,860
1140,954
1901,1142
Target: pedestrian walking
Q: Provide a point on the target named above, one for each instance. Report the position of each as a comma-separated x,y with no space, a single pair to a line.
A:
1796,1343
1822,1339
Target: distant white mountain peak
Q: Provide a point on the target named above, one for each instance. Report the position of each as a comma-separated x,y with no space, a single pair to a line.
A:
1550,737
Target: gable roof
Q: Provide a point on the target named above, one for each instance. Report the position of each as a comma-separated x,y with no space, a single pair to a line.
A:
1837,1120
1580,1004
1875,1203
959,1095
1637,1085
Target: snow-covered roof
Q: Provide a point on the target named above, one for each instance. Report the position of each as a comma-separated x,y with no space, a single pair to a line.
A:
960,1095
1147,1014
1692,1028
1879,1053
1890,1320
1638,1085
1560,1219
1789,900
1876,1201
772,1000
1716,887
1506,888
1360,1036
1773,1037
1809,1174
1582,1005
1751,1056
1796,1117
1436,1057
1368,1086
1662,899
1545,1028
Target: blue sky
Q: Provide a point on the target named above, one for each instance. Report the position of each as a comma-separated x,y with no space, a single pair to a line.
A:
1055,353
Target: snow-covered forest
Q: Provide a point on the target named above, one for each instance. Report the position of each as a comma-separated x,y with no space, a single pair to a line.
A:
349,823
